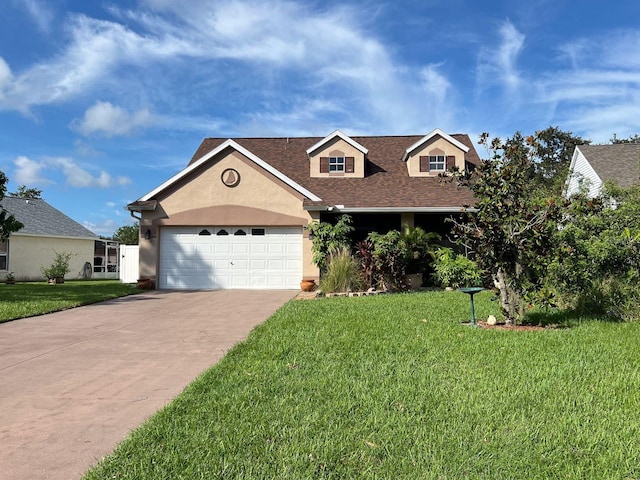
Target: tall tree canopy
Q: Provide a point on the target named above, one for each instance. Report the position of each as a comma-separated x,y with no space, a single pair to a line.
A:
128,234
8,223
552,150
24,192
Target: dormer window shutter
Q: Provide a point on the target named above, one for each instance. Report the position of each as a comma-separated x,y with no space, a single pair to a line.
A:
424,164
324,164
349,164
451,162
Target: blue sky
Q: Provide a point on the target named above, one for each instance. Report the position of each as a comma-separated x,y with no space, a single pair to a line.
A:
102,101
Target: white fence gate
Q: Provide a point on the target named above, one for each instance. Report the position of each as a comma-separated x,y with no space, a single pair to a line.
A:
129,263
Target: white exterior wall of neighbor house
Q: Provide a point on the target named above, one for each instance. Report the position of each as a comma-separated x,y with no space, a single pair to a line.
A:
27,254
582,174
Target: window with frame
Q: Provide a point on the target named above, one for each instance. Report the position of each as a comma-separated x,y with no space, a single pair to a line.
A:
336,164
437,162
4,255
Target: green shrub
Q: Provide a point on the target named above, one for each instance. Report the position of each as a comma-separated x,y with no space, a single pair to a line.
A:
60,266
455,270
328,238
343,273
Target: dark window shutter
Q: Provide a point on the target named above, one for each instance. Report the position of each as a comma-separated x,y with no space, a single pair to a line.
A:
451,162
349,164
424,164
324,164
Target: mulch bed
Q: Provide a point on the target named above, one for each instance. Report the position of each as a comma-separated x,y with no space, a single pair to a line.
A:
519,328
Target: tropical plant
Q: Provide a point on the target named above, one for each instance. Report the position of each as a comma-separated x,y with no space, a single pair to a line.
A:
327,237
419,247
390,254
343,273
454,270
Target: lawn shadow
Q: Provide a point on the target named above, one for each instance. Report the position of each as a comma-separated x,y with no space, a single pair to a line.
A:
564,318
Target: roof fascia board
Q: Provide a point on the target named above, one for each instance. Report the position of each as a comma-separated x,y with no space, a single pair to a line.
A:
331,136
239,148
408,210
48,235
429,136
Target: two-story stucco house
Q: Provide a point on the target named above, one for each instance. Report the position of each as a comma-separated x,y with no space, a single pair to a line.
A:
234,217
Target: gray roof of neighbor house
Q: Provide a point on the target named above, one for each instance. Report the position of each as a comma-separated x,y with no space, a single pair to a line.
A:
619,163
40,218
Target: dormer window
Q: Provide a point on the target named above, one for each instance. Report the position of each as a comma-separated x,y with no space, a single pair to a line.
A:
337,155
437,162
336,164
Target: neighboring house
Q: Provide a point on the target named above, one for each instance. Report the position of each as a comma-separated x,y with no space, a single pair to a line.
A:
593,165
46,231
235,216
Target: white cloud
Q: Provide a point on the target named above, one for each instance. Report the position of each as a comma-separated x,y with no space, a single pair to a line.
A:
29,172
597,94
40,13
330,53
498,65
104,228
32,172
110,120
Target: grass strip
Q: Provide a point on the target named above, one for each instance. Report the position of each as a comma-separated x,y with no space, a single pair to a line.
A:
29,299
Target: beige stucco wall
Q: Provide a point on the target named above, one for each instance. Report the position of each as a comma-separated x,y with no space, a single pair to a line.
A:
435,146
27,254
201,199
337,147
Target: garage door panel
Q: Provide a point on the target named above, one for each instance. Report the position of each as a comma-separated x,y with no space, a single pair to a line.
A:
272,258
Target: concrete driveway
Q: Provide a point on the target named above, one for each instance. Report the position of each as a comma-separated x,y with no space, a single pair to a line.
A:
73,384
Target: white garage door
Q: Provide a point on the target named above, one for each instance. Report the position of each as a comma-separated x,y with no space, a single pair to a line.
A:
230,257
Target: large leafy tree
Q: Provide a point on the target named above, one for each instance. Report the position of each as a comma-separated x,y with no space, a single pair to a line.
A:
127,234
8,223
512,229
552,150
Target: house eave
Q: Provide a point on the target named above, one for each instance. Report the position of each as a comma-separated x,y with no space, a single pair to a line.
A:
428,137
331,136
48,235
342,209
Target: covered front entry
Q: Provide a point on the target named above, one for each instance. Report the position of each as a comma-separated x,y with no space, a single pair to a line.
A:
230,257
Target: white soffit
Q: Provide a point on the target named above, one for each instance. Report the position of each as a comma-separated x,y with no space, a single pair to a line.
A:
331,136
429,136
239,148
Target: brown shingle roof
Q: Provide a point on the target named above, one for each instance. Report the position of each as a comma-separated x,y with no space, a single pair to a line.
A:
385,185
619,163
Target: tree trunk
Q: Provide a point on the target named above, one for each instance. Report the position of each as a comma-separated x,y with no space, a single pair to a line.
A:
510,299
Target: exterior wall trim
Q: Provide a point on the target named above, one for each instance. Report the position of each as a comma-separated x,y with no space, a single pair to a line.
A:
331,136
429,136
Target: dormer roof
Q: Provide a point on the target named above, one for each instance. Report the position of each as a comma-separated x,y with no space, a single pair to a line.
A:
429,136
331,136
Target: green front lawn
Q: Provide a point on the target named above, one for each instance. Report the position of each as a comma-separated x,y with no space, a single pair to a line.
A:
28,299
396,387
